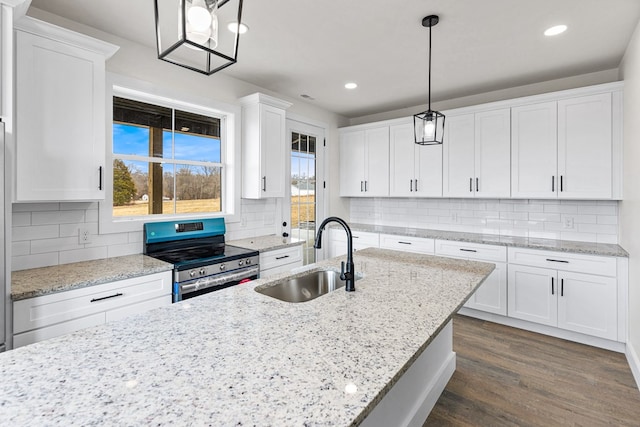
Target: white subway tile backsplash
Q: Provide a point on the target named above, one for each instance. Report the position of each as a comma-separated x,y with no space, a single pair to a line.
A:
58,217
45,234
34,232
547,219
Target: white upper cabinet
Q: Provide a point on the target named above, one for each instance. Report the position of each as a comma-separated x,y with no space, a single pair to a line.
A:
476,155
263,146
585,147
364,162
565,149
60,113
415,170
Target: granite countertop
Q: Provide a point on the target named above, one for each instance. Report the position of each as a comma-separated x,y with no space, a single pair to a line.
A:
237,357
588,248
266,243
65,277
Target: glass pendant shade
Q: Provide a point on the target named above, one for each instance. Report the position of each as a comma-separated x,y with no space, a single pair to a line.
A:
187,33
428,127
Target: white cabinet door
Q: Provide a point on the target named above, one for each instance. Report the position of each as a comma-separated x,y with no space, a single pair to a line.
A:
491,296
352,163
585,147
458,157
402,159
587,304
415,170
534,151
60,120
377,162
493,154
532,294
364,162
263,146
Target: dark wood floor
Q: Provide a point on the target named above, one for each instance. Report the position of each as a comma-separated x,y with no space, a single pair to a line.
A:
509,377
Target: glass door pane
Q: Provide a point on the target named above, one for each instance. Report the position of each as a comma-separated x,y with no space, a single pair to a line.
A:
303,192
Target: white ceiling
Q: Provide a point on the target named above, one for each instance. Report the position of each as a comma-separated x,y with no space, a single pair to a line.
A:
313,47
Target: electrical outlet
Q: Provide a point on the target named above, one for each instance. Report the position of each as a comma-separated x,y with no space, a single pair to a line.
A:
84,236
567,223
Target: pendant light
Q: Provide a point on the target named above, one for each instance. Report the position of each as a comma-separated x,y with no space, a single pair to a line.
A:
428,126
188,33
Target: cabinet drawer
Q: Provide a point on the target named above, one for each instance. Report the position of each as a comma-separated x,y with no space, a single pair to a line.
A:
408,244
472,251
60,307
362,238
588,264
57,330
279,257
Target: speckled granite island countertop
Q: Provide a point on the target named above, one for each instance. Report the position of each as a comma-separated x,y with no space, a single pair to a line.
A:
266,243
588,248
46,280
237,357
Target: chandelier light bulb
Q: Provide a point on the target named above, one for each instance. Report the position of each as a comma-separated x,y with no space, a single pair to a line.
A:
429,129
198,16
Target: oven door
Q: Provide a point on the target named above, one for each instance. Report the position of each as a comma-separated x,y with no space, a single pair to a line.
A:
204,285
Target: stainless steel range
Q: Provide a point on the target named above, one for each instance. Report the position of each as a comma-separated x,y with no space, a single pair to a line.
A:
202,262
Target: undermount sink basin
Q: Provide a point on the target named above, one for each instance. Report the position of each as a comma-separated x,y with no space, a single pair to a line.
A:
304,288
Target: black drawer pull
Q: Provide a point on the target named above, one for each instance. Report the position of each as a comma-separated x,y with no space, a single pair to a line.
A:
552,290
282,257
557,260
468,250
405,243
110,296
561,287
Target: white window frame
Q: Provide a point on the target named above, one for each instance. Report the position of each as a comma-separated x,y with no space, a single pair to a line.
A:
230,132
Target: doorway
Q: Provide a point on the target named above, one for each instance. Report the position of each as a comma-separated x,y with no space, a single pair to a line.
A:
305,206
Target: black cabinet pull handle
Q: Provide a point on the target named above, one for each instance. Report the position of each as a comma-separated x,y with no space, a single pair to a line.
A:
405,243
477,185
365,186
552,290
264,183
110,296
561,287
468,250
100,178
410,185
470,185
561,183
361,186
553,184
416,185
282,257
558,260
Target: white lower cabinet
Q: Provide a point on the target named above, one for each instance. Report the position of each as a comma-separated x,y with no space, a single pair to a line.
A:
407,243
40,318
280,260
361,240
491,296
569,296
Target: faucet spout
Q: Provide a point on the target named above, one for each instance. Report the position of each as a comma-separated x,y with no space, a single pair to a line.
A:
347,274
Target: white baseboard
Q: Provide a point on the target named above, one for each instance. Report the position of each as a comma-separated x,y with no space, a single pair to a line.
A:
634,362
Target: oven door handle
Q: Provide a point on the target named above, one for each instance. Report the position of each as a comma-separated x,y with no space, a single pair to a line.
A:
220,279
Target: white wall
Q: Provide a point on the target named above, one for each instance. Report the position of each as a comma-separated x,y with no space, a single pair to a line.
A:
46,234
630,206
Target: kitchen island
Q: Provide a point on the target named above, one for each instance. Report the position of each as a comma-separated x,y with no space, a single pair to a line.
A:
237,357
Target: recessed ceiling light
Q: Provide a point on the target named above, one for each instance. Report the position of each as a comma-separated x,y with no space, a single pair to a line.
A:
233,27
554,31
351,85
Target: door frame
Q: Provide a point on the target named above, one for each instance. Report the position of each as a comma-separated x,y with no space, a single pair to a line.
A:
296,123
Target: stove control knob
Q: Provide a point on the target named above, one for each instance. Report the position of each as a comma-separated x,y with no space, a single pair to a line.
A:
248,261
203,271
222,267
241,262
192,273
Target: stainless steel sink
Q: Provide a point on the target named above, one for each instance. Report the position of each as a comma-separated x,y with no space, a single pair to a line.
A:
304,288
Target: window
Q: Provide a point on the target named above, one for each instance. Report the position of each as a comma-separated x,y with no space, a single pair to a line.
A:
169,156
165,160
